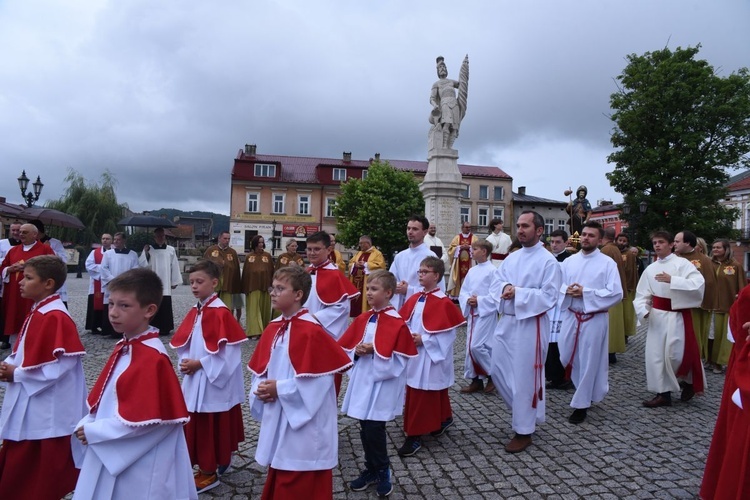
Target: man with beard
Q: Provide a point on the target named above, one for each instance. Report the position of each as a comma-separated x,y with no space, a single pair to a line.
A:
436,245
524,288
590,286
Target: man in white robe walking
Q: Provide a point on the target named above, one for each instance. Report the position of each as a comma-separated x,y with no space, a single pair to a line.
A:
666,291
524,288
590,286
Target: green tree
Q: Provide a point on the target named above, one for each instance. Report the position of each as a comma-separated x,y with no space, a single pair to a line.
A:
678,128
94,203
380,206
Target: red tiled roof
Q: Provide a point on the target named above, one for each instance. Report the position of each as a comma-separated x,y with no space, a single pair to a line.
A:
740,184
303,169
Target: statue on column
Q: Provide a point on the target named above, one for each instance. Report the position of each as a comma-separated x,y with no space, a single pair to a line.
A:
447,109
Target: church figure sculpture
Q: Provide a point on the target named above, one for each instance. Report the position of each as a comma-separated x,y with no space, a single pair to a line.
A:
447,109
579,209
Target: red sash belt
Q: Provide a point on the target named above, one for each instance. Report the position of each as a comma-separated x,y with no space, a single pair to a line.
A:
538,365
498,256
581,318
691,359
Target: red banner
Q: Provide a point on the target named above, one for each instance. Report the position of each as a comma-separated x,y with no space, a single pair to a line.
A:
298,231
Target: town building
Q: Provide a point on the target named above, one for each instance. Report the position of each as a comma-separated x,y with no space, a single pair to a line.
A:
738,197
553,211
284,197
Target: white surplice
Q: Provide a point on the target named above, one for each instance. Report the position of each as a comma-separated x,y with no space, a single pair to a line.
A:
665,340
522,332
598,275
114,264
376,385
480,320
334,318
405,266
163,261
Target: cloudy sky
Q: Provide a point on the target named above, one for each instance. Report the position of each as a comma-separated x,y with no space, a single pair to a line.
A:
164,93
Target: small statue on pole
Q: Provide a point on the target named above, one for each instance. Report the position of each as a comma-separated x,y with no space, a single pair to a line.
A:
447,109
579,211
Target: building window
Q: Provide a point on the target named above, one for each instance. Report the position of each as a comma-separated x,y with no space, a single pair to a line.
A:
330,206
465,214
253,201
265,170
482,216
466,193
499,193
549,226
339,174
497,213
278,203
484,192
561,223
364,174
304,204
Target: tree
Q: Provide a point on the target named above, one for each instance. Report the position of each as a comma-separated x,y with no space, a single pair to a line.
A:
678,128
95,204
380,206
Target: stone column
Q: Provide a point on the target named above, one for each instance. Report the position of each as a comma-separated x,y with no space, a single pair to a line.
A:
441,189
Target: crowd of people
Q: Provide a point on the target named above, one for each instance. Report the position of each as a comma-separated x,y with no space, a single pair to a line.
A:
539,307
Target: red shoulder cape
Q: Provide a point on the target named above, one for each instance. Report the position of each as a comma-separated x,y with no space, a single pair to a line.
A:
332,286
148,391
312,351
218,325
441,314
391,335
48,335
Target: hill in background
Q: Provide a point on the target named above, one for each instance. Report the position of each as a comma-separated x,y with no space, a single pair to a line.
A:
221,222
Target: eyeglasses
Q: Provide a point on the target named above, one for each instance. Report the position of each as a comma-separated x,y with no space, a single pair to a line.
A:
278,290
422,272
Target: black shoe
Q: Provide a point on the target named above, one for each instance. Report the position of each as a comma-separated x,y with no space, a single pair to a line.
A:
612,358
5,345
578,416
664,399
443,427
410,447
687,392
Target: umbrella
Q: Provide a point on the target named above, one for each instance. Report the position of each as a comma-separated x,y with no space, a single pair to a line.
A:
51,217
145,221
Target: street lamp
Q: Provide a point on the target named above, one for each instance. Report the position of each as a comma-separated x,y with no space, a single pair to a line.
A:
23,184
642,207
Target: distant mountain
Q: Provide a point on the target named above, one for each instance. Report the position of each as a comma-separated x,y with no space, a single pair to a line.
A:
221,222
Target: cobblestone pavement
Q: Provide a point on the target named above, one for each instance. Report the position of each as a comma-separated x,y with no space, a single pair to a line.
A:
623,450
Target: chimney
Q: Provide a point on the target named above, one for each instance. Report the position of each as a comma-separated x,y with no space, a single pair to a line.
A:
522,190
250,149
347,157
377,156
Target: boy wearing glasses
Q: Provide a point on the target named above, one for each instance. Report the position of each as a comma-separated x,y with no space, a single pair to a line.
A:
432,318
293,395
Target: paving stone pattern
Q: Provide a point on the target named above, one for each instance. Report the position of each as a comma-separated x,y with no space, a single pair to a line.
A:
622,450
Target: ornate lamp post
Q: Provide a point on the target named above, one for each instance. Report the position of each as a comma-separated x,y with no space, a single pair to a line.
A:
642,207
23,184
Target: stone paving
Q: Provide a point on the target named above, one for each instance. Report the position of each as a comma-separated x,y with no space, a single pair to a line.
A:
623,450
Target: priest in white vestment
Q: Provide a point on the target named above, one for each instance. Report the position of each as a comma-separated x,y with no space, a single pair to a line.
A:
162,259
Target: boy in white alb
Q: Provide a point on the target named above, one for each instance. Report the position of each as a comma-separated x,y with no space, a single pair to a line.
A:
45,391
480,312
135,444
432,318
208,344
293,395
381,344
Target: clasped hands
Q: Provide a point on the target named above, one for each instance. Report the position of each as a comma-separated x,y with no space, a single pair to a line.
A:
266,391
6,372
574,290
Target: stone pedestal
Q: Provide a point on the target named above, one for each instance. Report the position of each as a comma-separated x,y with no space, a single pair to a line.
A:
441,189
